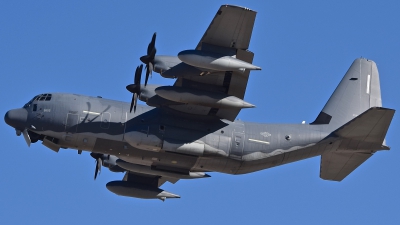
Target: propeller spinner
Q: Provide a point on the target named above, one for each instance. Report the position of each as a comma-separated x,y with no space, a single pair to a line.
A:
135,87
149,58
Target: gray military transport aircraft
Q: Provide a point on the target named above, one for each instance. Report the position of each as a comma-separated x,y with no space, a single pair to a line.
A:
189,129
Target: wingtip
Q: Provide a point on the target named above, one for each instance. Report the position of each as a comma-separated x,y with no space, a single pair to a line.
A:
237,6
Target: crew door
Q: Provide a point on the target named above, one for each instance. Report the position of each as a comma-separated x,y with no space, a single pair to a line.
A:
237,140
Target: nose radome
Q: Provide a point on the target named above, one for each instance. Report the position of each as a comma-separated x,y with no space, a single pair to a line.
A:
16,118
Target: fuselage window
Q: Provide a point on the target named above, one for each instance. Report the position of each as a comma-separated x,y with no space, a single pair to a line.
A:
27,105
34,107
238,140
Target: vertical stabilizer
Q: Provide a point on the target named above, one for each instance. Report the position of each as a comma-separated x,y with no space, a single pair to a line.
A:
358,91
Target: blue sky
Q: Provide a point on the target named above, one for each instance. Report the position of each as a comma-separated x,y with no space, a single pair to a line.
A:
93,48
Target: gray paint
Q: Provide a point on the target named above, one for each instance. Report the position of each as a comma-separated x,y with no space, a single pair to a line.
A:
212,61
173,139
358,91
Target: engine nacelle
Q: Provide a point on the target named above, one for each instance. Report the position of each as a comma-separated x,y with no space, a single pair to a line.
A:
147,92
109,161
150,97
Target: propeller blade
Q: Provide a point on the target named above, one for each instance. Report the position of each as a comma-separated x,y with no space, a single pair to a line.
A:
98,167
135,102
151,49
132,102
149,58
149,71
138,74
26,137
151,68
135,88
147,76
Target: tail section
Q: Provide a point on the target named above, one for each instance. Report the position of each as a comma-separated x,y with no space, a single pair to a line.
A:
358,91
355,142
358,123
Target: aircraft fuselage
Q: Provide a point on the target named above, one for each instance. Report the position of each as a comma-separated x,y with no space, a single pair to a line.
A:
155,135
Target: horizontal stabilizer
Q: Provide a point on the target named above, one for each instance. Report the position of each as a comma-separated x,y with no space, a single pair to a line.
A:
356,142
337,165
370,127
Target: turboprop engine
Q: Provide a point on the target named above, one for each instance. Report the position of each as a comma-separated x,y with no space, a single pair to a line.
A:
214,61
109,161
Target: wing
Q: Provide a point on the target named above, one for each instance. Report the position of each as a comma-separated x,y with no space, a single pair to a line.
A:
231,27
357,141
229,33
145,174
143,180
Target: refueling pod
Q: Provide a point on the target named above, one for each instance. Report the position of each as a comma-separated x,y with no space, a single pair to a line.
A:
214,61
131,189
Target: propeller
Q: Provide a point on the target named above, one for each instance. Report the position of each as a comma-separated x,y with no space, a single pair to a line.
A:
27,137
99,162
149,58
135,87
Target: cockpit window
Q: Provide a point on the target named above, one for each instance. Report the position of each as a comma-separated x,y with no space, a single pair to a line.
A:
42,97
30,102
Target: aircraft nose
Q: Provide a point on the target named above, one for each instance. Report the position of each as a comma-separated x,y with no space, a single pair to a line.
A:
16,118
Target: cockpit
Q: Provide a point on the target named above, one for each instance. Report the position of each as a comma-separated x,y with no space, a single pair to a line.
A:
41,97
